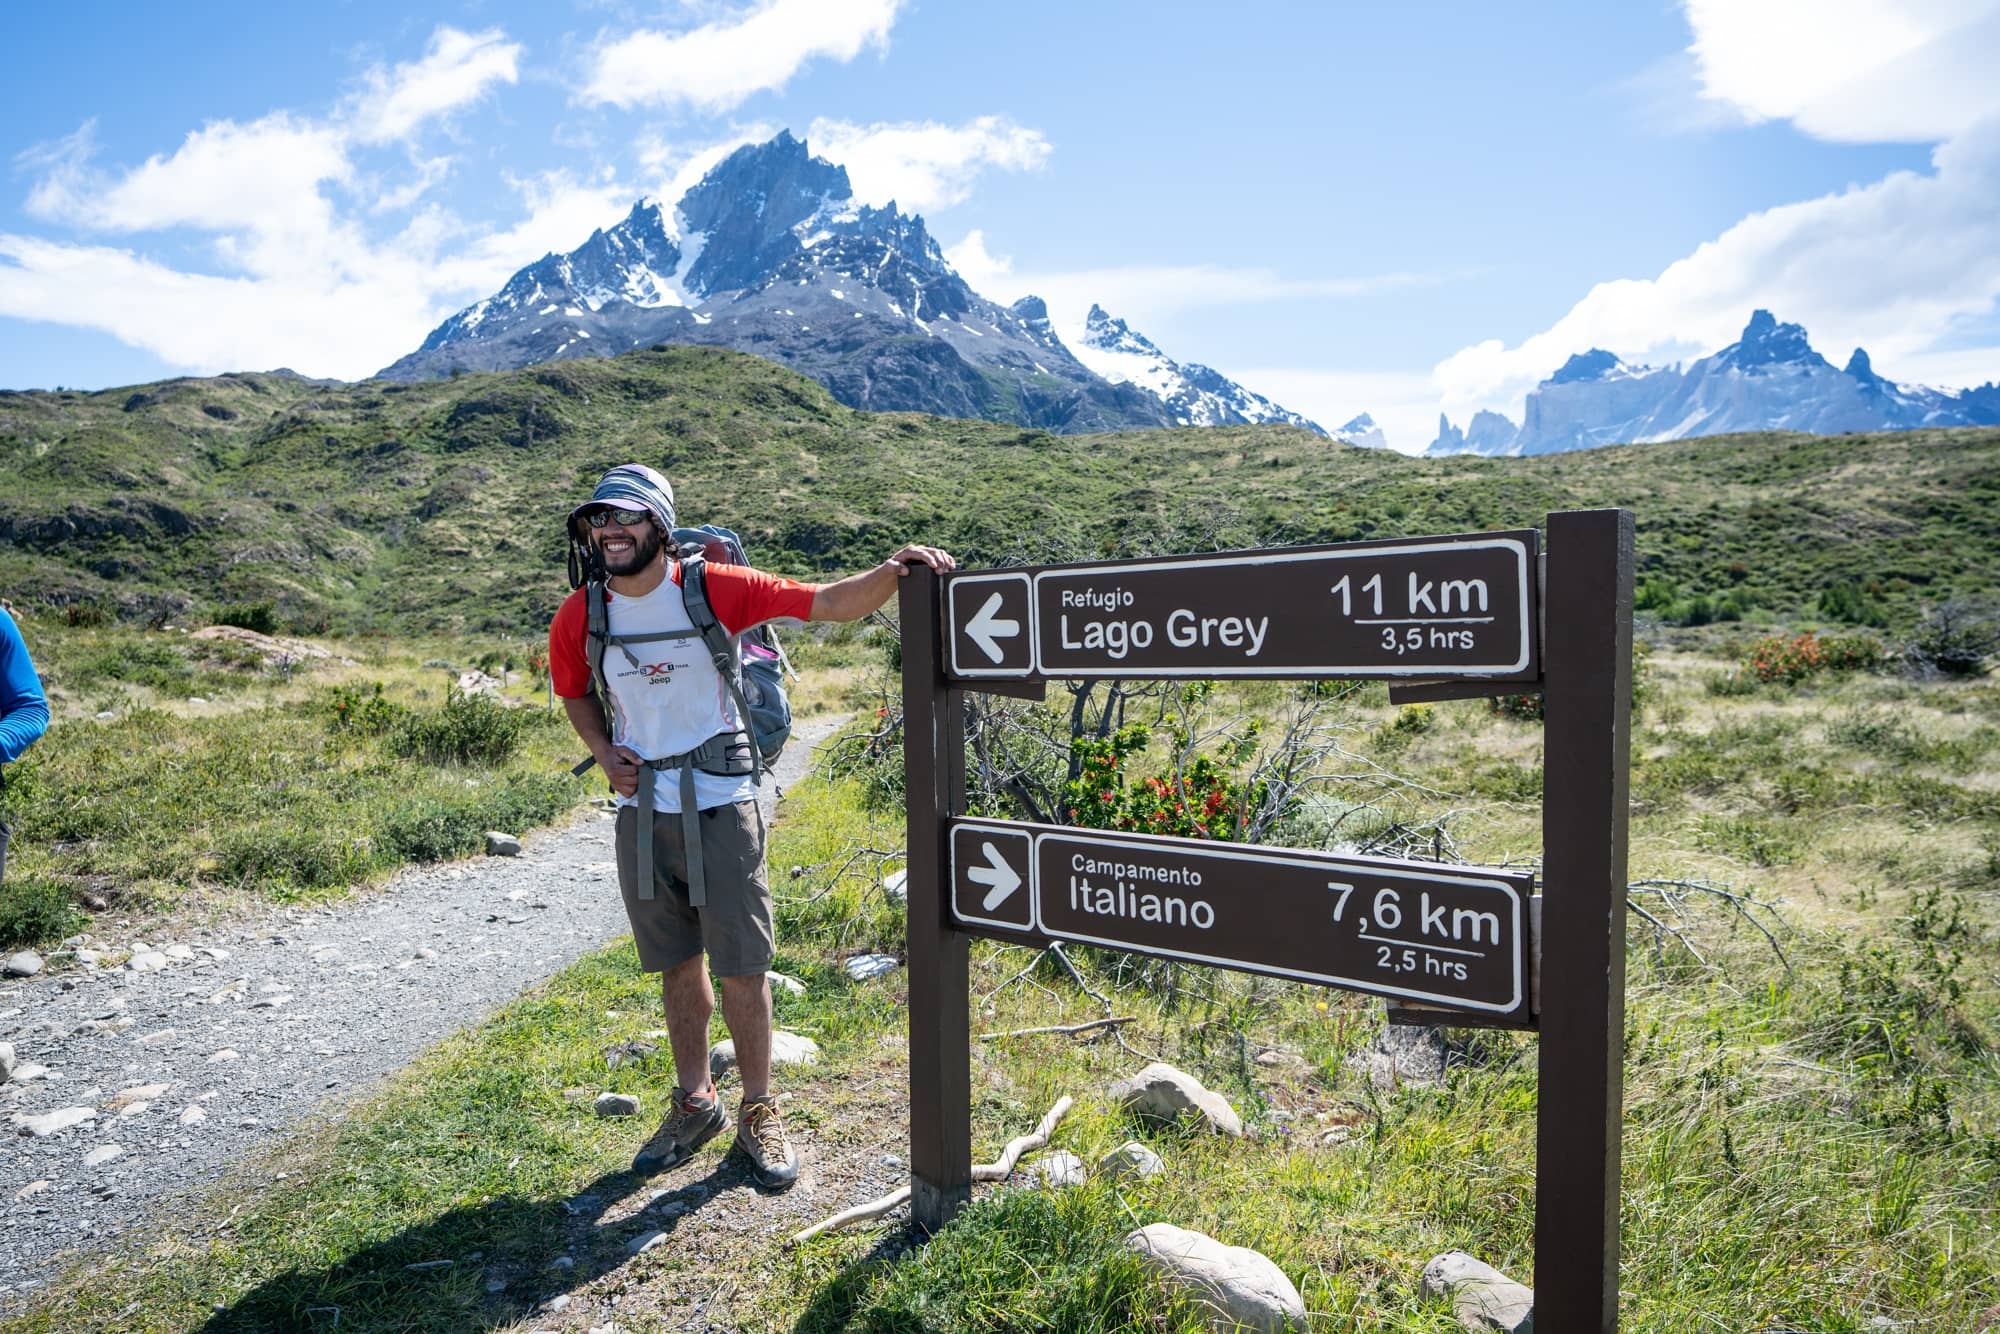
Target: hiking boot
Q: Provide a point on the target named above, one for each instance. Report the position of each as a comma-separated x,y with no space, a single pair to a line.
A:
761,1136
690,1123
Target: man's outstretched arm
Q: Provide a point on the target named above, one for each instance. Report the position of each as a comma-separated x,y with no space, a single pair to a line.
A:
852,598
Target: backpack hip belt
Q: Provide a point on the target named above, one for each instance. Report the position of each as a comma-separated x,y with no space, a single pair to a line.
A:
729,754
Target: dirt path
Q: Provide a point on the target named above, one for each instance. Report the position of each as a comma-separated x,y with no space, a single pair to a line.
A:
246,1030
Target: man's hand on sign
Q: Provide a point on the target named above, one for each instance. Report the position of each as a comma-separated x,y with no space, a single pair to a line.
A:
621,766
937,559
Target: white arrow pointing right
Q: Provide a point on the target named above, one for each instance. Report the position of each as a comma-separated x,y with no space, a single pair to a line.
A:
998,877
987,629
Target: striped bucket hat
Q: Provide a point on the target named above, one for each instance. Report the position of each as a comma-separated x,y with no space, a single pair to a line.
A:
629,486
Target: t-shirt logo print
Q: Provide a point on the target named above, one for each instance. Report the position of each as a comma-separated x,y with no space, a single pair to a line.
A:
656,673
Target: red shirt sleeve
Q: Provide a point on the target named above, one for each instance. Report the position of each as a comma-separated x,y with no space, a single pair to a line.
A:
743,597
569,667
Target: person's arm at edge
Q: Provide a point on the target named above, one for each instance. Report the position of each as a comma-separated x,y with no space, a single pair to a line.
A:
855,596
24,710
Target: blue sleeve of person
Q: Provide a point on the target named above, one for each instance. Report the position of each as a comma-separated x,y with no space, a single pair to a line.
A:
24,710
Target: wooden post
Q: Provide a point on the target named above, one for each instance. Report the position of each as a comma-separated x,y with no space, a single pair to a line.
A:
940,990
1587,670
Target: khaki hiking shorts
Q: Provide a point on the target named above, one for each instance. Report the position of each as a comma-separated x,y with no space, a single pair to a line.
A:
735,927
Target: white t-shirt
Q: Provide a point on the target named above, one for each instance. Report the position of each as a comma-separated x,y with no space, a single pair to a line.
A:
673,699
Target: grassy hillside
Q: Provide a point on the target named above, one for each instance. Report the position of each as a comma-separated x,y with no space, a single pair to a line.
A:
437,507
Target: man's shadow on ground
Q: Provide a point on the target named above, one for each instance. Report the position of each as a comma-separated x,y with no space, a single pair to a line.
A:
427,1278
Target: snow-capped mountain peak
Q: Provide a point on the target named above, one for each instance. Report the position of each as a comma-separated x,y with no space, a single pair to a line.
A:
1363,431
1195,395
771,253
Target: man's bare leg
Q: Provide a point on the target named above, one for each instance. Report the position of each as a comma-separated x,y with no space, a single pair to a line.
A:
689,1002
746,1008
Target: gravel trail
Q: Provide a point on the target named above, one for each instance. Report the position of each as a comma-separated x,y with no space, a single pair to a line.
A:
248,1029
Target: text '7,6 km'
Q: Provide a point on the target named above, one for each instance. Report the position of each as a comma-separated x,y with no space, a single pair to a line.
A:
1438,606
1442,934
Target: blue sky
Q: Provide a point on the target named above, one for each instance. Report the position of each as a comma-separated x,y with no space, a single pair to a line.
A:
1402,209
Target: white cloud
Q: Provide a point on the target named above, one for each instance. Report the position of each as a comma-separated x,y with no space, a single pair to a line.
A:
457,70
924,166
1147,295
1895,265
716,66
211,324
1859,71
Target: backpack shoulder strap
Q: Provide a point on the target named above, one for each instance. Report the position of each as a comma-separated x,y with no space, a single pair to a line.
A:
721,646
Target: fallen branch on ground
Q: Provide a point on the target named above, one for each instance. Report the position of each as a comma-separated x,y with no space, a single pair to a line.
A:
998,1170
1086,1027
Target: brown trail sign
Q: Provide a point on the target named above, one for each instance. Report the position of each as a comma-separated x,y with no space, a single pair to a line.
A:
1441,618
1438,606
1418,931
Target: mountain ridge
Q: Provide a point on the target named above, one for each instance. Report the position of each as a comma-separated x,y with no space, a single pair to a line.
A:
770,254
1770,378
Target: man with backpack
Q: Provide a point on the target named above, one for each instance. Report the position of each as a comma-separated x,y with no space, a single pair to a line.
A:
647,654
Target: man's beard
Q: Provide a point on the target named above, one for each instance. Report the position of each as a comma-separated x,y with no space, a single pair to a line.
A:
641,555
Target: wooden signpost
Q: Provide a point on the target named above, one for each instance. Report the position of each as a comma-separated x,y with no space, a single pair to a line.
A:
1441,618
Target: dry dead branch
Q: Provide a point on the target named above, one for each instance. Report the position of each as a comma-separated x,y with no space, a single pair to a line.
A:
998,1170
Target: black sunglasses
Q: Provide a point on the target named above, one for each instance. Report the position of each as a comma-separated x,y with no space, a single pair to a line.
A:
627,518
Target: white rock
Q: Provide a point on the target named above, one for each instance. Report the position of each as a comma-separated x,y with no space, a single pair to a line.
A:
786,983
896,885
131,1109
102,1154
1241,1288
1130,1161
1482,1297
27,1073
193,1116
786,1049
216,952
226,1054
32,1188
25,964
646,1242
8,1063
1162,1094
147,961
864,966
54,1123
616,1104
136,1093
1058,1168
179,953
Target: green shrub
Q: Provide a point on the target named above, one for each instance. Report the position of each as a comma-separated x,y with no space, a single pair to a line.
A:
36,912
283,856
467,729
363,712
260,617
1729,685
1848,603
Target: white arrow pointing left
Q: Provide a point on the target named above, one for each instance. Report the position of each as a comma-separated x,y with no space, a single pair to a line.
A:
987,629
999,878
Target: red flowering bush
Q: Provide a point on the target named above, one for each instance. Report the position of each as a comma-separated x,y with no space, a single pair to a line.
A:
1203,801
1790,661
